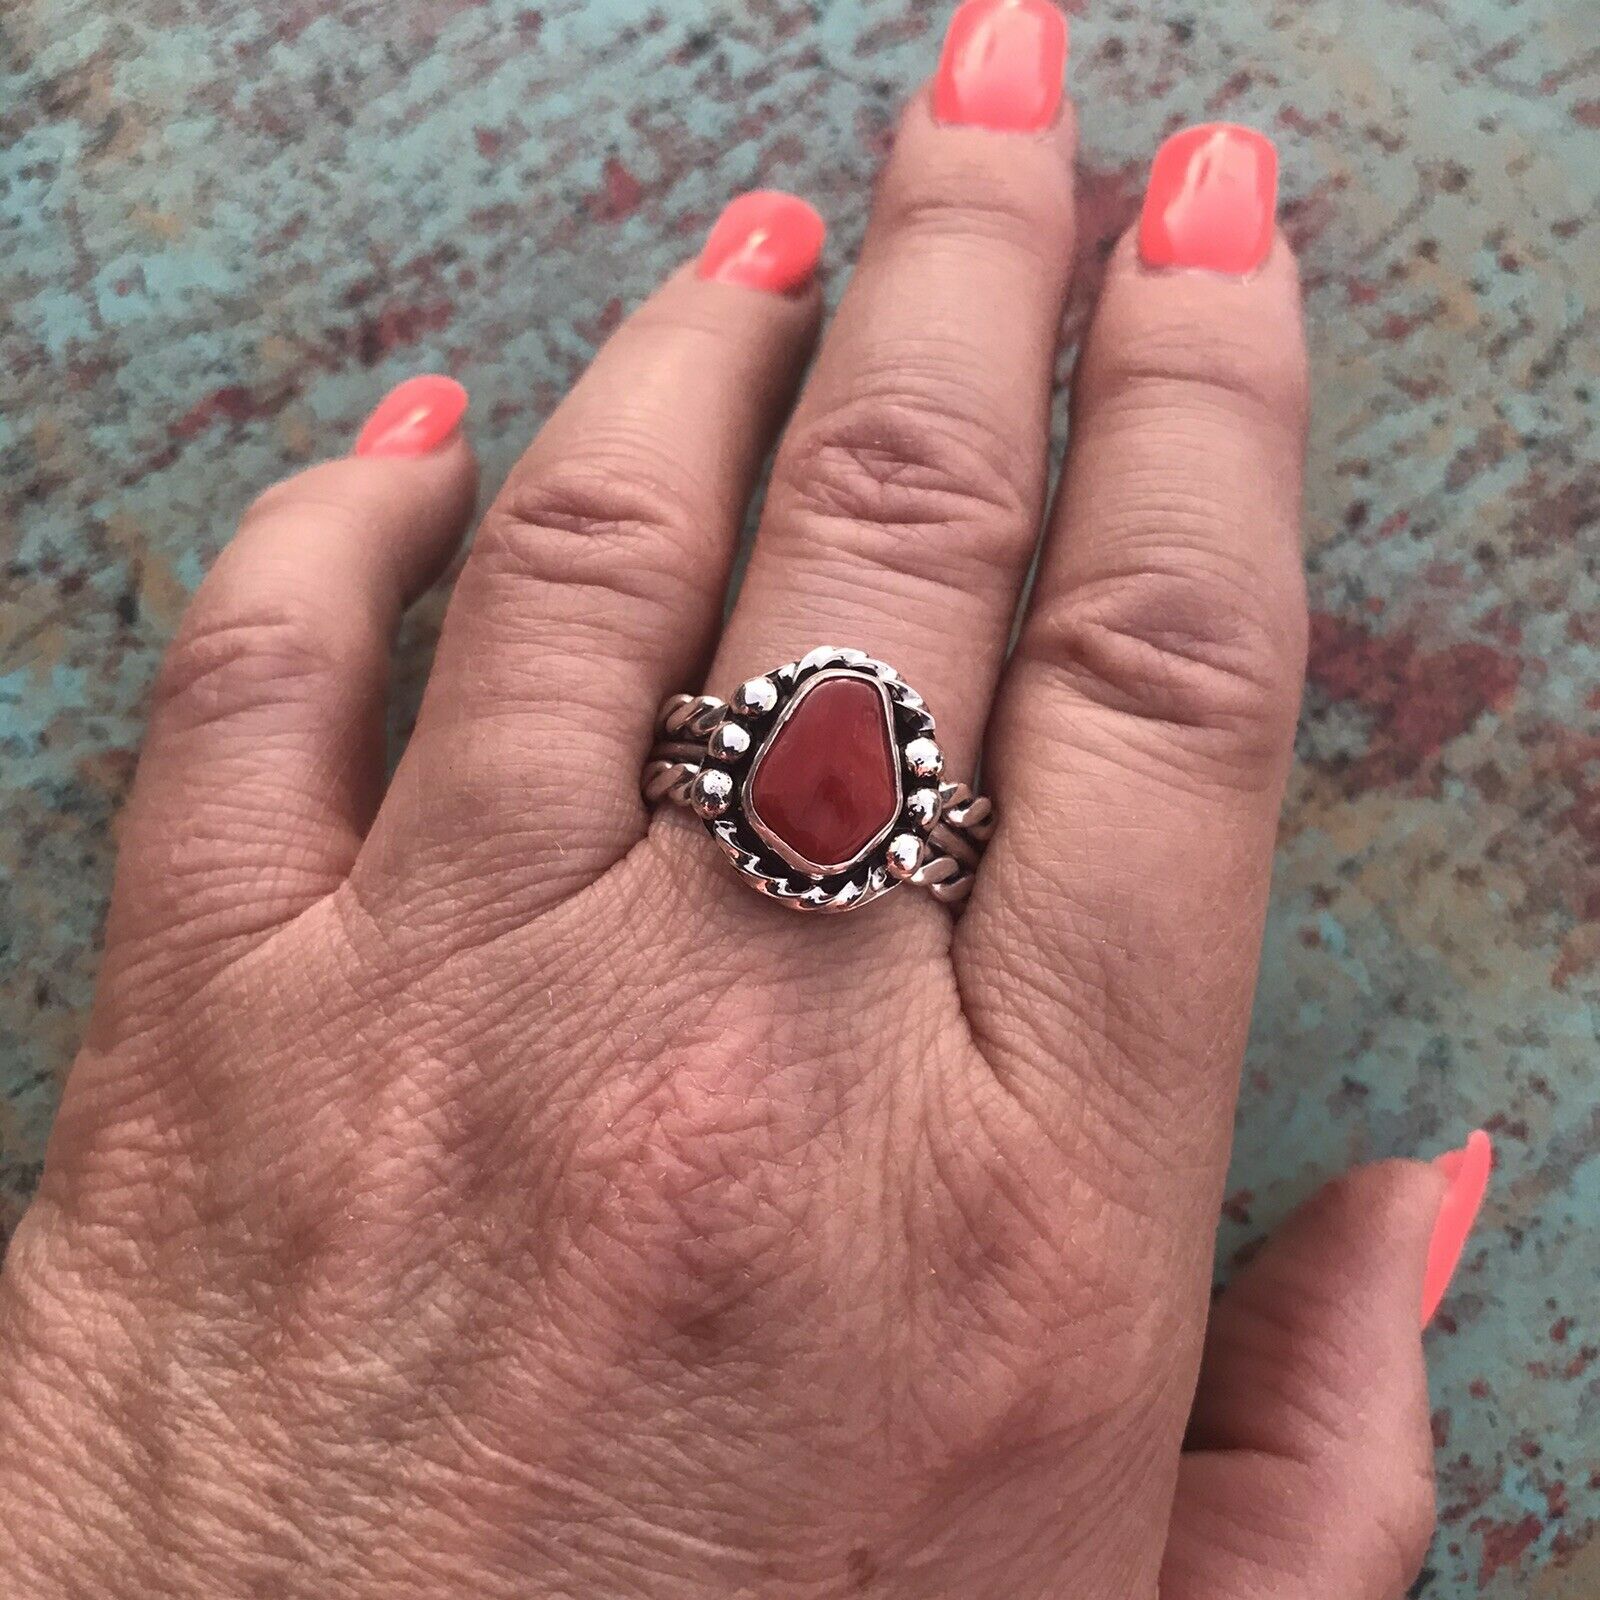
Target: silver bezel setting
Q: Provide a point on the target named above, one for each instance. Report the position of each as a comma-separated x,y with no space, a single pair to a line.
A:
758,855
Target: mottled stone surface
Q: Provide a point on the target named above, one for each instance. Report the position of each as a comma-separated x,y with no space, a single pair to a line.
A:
827,785
225,228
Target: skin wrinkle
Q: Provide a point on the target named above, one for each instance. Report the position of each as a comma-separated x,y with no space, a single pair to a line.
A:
1147,656
887,578
602,546
1200,765
234,667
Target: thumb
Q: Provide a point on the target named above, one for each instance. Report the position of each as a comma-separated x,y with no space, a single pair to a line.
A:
1308,1468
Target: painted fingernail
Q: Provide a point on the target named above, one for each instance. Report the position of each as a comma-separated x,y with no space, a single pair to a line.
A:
765,240
414,418
1002,66
1468,1172
1211,200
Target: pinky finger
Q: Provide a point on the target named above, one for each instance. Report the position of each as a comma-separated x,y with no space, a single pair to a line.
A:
1309,1464
263,761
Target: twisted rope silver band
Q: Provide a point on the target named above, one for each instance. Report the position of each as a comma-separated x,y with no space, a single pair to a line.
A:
686,728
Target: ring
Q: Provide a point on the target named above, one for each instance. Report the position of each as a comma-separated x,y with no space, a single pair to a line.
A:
823,782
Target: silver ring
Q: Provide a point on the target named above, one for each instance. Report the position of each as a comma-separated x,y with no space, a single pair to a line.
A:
824,784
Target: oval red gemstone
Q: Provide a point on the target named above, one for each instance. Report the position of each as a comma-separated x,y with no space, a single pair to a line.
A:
829,784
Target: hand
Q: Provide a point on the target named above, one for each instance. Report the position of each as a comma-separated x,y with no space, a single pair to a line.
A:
473,1189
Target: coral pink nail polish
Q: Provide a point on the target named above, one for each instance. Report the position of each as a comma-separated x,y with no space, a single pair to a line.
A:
1211,200
414,418
764,240
1002,66
1468,1172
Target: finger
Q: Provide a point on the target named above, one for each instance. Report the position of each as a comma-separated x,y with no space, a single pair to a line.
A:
264,758
1142,736
1309,1464
597,579
907,496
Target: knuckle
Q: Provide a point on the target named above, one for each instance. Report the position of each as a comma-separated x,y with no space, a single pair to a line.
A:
942,194
1205,365
911,481
1186,643
310,499
698,329
618,527
1003,210
230,659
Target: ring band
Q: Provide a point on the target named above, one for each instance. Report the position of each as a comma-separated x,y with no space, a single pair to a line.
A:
823,782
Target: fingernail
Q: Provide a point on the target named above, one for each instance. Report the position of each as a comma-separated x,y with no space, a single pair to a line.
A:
1468,1172
414,418
764,240
1002,66
1211,200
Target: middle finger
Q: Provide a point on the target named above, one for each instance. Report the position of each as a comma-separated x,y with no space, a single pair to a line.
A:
907,495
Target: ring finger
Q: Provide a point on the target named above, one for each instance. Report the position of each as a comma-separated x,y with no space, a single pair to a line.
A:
907,494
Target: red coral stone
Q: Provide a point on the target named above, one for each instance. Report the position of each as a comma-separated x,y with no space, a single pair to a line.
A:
828,785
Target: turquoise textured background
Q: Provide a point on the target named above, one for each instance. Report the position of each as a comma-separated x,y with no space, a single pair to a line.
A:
226,227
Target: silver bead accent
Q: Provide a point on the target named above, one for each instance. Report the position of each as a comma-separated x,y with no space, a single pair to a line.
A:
728,742
905,855
711,793
924,758
755,697
924,805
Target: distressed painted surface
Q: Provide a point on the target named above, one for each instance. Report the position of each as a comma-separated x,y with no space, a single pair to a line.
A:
225,228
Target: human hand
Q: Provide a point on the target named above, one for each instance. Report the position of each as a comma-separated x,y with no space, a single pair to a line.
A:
472,1188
